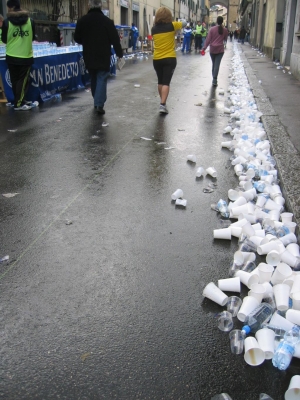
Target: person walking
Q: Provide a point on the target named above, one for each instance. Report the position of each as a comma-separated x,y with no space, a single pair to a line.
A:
187,33
231,35
18,32
97,34
134,35
242,35
203,33
198,36
215,39
164,56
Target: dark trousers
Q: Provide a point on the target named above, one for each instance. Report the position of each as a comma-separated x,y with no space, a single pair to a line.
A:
216,61
19,77
198,42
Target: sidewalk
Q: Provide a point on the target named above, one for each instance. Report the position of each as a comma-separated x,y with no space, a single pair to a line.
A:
278,98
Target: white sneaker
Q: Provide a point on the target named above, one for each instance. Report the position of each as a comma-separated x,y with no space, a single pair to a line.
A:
25,107
163,109
9,104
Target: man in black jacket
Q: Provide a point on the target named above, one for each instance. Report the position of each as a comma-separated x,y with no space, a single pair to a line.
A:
97,33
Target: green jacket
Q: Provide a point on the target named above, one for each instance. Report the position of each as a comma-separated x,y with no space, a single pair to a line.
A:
197,30
203,32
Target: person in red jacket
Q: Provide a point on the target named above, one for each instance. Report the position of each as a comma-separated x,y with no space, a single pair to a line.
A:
215,39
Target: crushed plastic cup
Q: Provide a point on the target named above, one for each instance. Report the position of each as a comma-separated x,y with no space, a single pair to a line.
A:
282,293
212,292
180,202
230,284
282,272
265,272
254,355
211,171
293,392
293,316
237,339
249,304
225,322
177,194
192,158
266,341
233,305
224,233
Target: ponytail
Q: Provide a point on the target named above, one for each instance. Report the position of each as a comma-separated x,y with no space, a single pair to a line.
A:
220,29
220,22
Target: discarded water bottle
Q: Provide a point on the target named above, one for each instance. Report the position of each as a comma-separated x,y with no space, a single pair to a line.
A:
257,317
223,208
279,332
286,349
282,231
259,186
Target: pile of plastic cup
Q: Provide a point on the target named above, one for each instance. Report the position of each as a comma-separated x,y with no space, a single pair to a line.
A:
262,226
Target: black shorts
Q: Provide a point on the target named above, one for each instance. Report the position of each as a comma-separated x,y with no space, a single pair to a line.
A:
164,69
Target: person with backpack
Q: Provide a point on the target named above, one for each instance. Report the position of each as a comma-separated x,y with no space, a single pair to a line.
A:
215,40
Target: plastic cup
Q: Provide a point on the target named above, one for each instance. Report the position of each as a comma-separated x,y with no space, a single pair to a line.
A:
286,217
282,293
273,245
288,258
289,238
236,231
238,169
293,316
293,248
192,158
273,258
233,195
180,202
271,205
296,286
293,392
237,338
249,304
224,233
268,287
281,272
240,257
212,172
296,301
254,355
233,269
212,292
291,226
246,278
233,305
266,340
240,201
265,272
230,284
290,281
177,194
225,323
200,172
280,322
260,201
248,266
270,299
257,290
256,239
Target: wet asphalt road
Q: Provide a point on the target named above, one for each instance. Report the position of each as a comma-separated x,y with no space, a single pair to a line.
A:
102,298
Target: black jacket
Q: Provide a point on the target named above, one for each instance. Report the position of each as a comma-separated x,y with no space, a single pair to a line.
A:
97,33
17,18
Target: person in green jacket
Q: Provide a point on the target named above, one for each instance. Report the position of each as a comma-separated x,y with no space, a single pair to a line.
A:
203,33
198,36
18,33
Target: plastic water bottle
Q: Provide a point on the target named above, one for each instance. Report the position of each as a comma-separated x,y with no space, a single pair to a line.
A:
223,208
257,317
286,349
259,186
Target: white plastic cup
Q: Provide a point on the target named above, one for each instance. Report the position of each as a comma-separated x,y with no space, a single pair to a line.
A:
293,392
267,247
212,292
296,286
273,258
268,287
266,341
177,194
224,233
293,316
248,230
282,293
236,231
257,290
233,195
181,202
288,258
261,200
230,284
254,355
289,238
249,304
191,158
286,217
291,225
238,169
293,248
240,257
236,211
211,171
274,215
296,301
256,239
265,272
281,322
240,201
246,278
290,281
200,172
282,272
249,194
271,205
